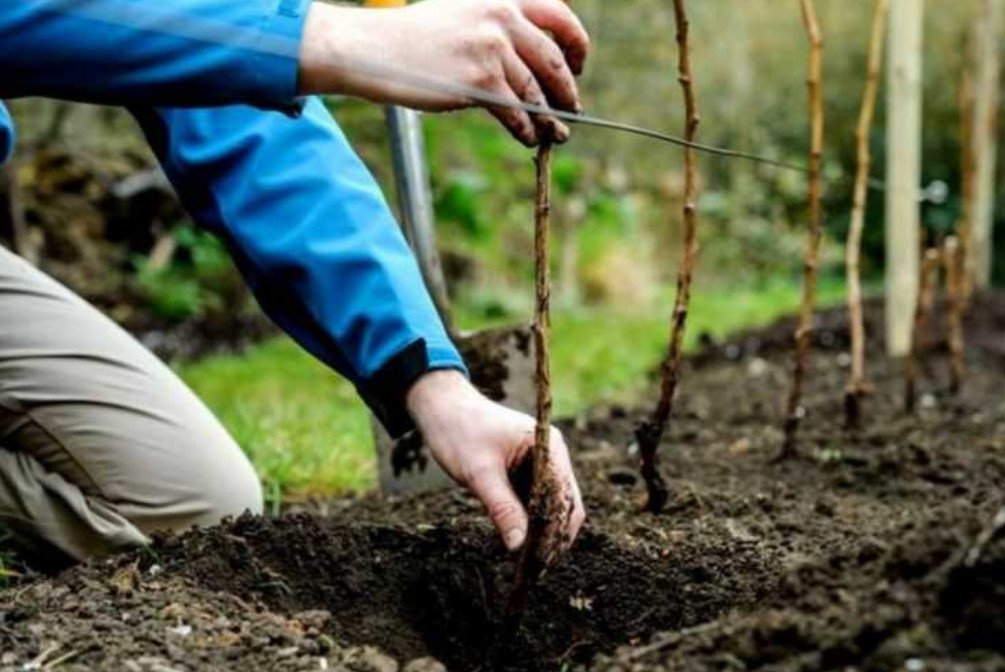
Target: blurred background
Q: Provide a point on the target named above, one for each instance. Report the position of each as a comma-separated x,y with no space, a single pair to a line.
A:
95,213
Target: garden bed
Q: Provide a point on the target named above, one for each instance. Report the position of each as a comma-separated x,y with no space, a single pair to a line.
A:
850,556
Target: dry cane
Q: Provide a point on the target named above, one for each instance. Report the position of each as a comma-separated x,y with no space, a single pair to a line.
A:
968,178
649,434
804,332
544,489
858,386
922,313
955,301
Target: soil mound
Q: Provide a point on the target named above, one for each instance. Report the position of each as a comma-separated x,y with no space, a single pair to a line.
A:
876,549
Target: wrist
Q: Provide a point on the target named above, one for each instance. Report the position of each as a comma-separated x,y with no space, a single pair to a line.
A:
434,391
337,40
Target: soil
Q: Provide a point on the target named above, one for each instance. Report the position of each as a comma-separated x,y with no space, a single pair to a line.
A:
874,550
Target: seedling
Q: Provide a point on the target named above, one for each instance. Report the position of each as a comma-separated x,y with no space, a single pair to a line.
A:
955,301
929,281
804,332
543,508
649,434
858,385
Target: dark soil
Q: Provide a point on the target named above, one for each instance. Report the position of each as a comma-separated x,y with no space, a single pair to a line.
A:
874,550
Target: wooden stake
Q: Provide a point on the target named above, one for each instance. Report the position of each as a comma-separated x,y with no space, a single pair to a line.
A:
804,333
858,386
903,171
650,433
929,281
954,310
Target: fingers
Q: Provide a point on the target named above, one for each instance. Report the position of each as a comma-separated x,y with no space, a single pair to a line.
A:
516,121
491,486
544,58
522,81
555,17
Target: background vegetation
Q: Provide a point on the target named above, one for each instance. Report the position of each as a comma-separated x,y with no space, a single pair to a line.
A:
618,215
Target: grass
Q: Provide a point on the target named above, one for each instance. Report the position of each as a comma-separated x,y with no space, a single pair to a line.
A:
307,432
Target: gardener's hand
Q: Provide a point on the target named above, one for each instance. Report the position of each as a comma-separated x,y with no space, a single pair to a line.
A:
479,443
520,50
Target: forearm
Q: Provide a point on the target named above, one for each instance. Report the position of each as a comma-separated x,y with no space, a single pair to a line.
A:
315,239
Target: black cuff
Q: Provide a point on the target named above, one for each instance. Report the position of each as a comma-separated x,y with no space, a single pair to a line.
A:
385,391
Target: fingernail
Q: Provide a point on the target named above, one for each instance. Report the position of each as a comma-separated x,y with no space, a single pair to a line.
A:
514,538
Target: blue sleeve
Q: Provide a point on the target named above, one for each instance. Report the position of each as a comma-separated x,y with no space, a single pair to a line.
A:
153,52
315,239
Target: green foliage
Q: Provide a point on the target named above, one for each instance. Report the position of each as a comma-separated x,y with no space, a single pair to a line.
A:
200,278
307,432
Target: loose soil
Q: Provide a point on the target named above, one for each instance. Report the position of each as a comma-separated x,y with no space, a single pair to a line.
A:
874,550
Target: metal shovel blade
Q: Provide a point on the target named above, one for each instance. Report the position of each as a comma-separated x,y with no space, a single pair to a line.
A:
501,362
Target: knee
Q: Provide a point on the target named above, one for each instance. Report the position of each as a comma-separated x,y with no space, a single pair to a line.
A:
228,487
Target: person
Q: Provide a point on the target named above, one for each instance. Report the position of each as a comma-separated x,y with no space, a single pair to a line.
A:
100,443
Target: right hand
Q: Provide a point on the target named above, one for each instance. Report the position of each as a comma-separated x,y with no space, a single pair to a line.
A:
521,50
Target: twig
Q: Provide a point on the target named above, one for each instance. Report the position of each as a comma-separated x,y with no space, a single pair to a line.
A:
955,301
544,490
968,174
650,433
922,314
858,387
804,332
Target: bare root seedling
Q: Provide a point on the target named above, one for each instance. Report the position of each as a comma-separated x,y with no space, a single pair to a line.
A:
929,282
804,333
544,506
955,301
858,385
649,433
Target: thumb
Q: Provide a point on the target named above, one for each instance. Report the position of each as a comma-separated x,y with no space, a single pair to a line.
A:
492,487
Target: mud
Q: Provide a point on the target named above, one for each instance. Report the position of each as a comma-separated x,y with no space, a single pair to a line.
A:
873,550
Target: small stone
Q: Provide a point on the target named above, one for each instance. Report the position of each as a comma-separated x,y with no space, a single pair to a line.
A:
369,659
757,367
425,665
843,360
914,665
928,402
181,630
314,618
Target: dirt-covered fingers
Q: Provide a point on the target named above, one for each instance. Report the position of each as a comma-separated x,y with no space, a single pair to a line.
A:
516,121
547,62
522,81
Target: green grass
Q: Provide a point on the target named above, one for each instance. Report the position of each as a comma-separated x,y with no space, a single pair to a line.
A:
307,432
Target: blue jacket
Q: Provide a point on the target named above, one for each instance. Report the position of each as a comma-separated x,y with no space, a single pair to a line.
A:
213,83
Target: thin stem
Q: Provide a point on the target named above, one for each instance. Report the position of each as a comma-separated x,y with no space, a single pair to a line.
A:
858,385
968,173
954,294
804,332
542,507
922,313
650,433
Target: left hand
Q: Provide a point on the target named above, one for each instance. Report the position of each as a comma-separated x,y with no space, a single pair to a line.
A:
480,443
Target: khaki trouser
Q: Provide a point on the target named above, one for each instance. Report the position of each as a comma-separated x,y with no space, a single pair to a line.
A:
100,443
